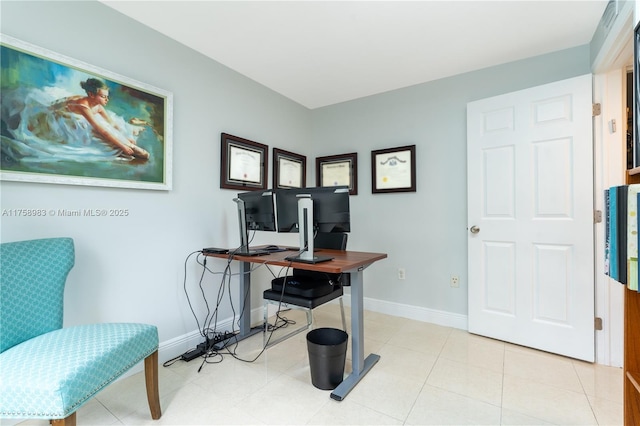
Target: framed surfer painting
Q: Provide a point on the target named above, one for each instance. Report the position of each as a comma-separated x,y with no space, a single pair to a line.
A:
68,122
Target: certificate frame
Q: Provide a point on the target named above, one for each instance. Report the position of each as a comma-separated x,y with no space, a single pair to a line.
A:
289,169
337,170
393,170
243,163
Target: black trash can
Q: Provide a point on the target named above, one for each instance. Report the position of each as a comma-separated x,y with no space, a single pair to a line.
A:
327,354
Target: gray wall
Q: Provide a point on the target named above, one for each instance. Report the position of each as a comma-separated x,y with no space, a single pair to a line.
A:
132,269
424,232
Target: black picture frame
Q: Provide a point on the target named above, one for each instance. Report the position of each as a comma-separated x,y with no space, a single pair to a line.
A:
393,170
289,169
243,163
337,170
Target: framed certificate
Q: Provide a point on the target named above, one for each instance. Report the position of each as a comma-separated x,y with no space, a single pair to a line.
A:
393,170
243,164
289,169
337,170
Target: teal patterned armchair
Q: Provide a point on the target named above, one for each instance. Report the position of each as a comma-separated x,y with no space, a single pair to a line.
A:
47,371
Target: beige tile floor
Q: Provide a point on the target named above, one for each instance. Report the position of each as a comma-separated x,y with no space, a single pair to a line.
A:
427,375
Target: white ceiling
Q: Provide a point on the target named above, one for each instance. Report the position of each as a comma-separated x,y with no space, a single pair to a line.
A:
319,53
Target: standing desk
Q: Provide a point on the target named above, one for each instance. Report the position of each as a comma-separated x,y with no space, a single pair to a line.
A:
351,262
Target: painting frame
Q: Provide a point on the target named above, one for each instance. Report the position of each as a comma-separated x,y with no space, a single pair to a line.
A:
389,179
112,167
243,163
338,170
289,169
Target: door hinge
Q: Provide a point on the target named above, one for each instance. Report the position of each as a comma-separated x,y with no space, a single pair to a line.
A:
595,110
597,216
598,323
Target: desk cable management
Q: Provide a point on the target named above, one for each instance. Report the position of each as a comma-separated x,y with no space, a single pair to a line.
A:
216,343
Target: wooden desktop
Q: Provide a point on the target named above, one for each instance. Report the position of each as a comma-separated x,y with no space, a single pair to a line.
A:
351,262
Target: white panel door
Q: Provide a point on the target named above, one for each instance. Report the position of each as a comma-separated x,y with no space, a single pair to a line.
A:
530,213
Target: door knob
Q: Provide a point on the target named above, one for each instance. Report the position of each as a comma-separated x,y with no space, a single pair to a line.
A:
474,229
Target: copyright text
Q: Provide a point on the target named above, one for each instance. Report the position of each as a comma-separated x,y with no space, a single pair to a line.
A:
65,212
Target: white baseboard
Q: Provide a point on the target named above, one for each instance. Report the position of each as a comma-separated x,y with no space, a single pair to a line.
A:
179,345
446,319
175,347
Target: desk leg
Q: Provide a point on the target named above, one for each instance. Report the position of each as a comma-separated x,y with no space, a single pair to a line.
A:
245,303
360,365
245,296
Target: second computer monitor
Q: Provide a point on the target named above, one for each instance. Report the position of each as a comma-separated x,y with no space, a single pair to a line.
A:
331,211
259,210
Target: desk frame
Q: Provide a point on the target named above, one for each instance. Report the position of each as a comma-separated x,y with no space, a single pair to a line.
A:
351,262
360,365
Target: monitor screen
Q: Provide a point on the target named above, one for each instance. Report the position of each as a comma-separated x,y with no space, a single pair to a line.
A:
330,209
259,210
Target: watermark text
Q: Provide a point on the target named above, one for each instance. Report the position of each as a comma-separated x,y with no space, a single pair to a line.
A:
34,212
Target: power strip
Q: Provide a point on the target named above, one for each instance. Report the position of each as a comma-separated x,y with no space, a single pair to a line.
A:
219,341
192,354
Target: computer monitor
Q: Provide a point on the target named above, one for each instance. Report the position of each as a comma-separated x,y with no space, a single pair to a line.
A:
256,212
330,208
311,210
260,214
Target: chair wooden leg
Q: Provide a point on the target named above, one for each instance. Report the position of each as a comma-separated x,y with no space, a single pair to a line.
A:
151,379
70,420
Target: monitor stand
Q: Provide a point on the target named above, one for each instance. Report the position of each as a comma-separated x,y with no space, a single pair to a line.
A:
244,249
305,219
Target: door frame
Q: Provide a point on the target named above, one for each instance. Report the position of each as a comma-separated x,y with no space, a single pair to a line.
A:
609,160
609,139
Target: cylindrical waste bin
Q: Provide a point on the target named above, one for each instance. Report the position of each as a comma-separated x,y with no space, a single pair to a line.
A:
327,353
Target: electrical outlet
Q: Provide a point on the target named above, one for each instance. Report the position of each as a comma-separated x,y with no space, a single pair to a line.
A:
401,273
455,281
